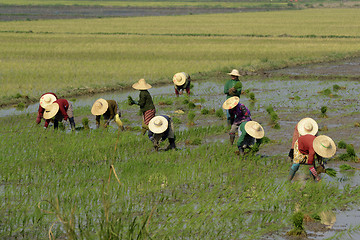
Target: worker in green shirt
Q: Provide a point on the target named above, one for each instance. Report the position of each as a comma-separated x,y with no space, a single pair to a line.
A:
232,88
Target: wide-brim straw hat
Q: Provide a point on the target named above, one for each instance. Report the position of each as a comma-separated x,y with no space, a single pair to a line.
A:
231,103
158,124
254,129
99,107
46,100
307,126
179,79
141,85
51,110
234,72
324,146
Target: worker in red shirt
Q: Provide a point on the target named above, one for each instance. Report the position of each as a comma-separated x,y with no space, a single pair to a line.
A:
45,100
59,110
307,148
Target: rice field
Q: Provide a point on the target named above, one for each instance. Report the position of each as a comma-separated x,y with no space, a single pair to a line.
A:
107,184
68,55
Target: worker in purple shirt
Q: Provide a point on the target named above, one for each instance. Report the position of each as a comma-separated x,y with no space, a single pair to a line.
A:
238,113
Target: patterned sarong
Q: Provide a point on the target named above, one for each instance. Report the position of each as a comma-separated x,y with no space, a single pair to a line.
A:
148,115
298,156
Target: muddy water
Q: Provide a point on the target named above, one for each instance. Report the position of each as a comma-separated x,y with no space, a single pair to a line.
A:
283,95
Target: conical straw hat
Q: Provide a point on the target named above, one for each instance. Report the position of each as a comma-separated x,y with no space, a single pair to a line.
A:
307,126
234,72
99,107
324,146
254,129
141,85
179,79
51,110
158,124
231,103
46,100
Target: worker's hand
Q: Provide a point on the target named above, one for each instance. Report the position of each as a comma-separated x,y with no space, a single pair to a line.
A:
65,118
38,119
130,101
232,91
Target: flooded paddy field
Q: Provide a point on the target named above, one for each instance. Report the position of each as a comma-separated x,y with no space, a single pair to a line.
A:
292,99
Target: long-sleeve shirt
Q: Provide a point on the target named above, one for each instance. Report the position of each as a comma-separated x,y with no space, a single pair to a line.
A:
305,145
239,114
168,133
186,85
63,107
110,112
145,101
41,109
230,84
245,138
295,136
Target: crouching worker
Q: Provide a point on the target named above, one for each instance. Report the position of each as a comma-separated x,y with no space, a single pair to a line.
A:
250,135
66,112
304,126
109,110
45,100
307,148
239,113
182,81
162,128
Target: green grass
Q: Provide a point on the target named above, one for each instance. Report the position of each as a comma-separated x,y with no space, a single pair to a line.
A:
59,182
73,57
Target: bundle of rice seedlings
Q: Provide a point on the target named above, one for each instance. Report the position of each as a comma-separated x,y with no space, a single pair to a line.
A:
331,172
346,167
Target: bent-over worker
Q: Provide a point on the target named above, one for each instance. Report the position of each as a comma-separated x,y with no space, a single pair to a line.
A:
182,81
45,100
250,136
109,110
162,128
59,110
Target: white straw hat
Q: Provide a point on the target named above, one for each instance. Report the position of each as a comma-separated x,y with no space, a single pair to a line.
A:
179,79
158,124
99,107
51,110
234,72
324,146
254,129
141,85
47,99
231,103
307,126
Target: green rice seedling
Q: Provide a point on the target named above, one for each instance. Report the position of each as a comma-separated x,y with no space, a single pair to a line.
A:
220,113
350,150
337,88
298,230
323,112
125,120
205,111
252,97
176,120
331,172
166,102
238,85
85,123
191,117
326,92
265,140
274,117
20,106
61,126
342,144
276,126
315,216
346,167
186,101
269,109
191,105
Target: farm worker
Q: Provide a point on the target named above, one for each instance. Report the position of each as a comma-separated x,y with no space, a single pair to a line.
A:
45,100
162,128
238,112
306,148
304,126
59,110
182,81
232,88
109,110
145,102
250,135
